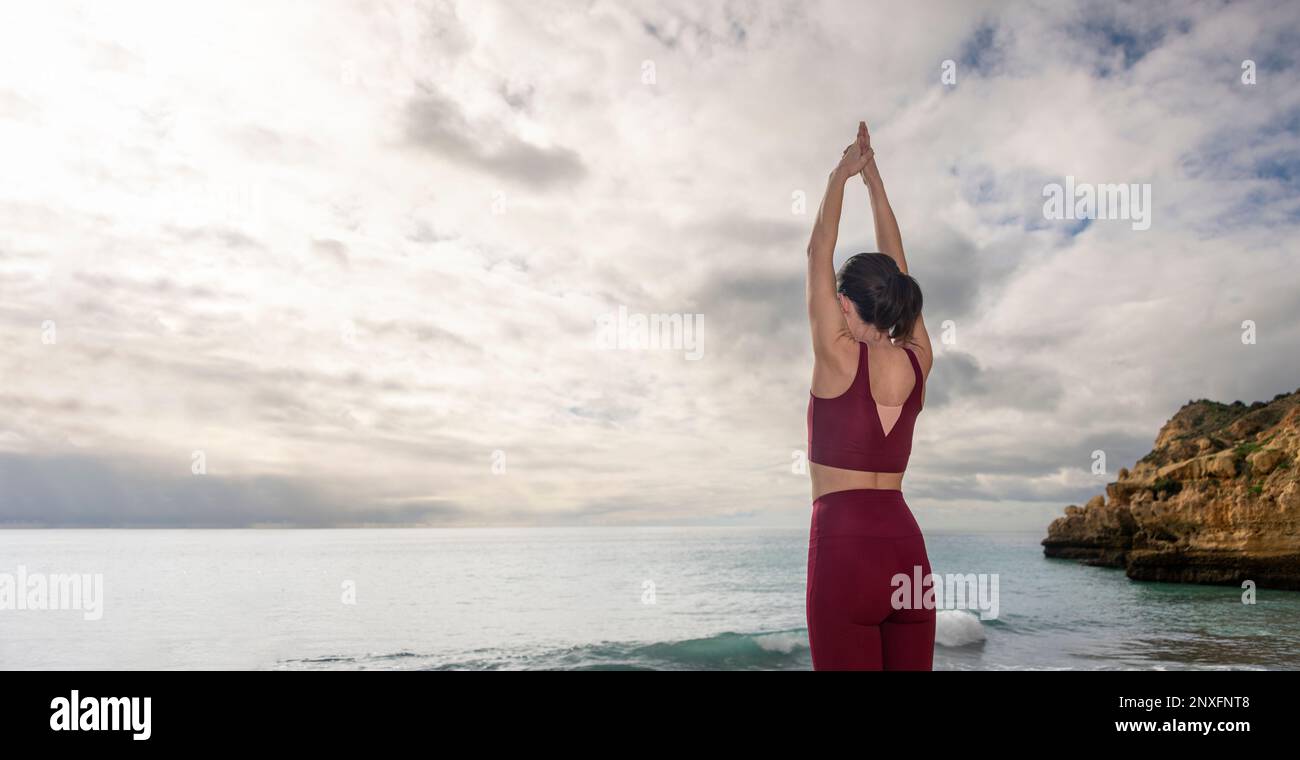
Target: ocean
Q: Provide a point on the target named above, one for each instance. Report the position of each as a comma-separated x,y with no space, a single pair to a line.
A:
579,598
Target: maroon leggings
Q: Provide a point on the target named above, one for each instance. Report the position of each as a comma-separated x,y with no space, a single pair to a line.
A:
860,540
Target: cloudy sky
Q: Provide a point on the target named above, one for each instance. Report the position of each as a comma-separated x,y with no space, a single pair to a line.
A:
351,257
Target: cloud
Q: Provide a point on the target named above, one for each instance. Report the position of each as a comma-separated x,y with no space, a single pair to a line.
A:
1023,387
89,491
360,266
331,250
436,123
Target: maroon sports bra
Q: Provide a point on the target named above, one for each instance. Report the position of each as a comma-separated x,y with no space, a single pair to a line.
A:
846,431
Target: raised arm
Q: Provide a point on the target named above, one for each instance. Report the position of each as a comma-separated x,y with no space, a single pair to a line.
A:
890,242
824,313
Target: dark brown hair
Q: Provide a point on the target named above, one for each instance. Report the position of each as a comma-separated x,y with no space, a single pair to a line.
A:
884,297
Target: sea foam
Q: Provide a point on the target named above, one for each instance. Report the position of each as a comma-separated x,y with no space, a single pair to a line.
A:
956,628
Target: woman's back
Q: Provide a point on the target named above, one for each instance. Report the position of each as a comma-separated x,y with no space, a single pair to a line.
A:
861,437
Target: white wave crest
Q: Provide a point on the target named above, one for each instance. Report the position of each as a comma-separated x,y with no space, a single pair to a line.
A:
956,628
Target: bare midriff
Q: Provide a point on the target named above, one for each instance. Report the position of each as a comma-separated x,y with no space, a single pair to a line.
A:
827,479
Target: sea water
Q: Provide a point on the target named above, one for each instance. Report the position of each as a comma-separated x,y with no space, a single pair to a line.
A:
581,598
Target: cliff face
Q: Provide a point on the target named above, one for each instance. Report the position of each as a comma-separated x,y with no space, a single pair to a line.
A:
1216,501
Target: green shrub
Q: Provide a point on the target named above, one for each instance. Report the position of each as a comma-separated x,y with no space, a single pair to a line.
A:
1246,449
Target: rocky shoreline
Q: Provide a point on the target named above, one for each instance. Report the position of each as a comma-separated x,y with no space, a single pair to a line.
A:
1217,501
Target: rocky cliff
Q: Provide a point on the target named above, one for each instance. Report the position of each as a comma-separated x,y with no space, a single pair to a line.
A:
1216,501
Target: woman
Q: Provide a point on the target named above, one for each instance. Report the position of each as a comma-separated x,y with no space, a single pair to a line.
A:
866,555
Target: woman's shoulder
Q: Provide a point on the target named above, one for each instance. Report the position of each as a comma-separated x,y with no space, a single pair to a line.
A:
920,352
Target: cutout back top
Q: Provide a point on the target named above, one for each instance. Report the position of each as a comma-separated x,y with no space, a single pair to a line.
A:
850,430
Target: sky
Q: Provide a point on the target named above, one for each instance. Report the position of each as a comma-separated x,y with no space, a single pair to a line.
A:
325,264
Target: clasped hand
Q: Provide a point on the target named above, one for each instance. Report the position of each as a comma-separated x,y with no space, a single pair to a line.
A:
858,155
